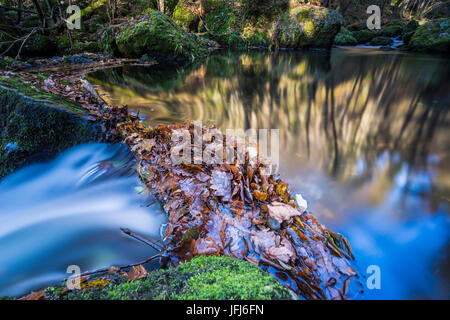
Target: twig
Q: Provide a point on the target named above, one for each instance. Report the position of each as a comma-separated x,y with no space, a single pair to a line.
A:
6,8
138,237
24,41
87,273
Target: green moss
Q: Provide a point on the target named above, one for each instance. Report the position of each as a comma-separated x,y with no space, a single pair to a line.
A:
392,29
36,123
303,15
107,41
364,36
88,46
186,15
345,38
41,95
433,36
302,28
223,25
156,33
408,31
92,8
204,277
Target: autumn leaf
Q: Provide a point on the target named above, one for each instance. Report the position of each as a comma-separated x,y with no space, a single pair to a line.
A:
282,212
137,272
221,183
37,295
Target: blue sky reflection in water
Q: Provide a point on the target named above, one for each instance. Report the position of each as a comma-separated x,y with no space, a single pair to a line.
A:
364,137
69,211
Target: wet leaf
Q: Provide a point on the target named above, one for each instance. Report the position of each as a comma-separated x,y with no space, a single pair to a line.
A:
260,196
137,272
221,183
37,295
282,212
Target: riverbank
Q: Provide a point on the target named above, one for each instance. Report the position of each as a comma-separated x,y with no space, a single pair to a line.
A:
47,110
203,278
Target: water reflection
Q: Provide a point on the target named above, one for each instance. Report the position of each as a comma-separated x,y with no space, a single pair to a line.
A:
364,136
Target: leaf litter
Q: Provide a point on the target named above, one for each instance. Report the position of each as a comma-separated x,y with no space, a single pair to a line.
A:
232,209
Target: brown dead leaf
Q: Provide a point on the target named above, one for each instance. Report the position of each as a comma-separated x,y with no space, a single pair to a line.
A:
284,252
137,272
37,295
282,212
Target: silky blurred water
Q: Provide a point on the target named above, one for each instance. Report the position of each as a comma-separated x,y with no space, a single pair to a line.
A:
364,136
69,211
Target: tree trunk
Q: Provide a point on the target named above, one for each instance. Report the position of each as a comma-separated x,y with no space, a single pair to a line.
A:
40,13
19,12
161,5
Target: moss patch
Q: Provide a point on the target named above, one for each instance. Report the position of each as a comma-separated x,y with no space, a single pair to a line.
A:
364,36
224,26
36,123
433,36
306,27
155,33
204,277
345,38
186,14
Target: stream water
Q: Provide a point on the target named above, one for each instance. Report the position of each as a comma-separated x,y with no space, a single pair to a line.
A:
364,137
69,212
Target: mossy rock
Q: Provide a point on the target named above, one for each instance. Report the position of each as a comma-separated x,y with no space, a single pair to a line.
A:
203,278
408,31
186,14
96,7
155,33
345,38
223,25
38,123
257,33
364,36
433,36
381,41
304,27
392,29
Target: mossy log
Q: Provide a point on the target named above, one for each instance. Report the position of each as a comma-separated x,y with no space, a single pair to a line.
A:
38,124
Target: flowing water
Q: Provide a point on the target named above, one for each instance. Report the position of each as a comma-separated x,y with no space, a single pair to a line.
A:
364,136
69,212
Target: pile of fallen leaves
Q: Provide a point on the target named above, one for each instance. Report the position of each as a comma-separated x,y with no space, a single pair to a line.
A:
237,210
